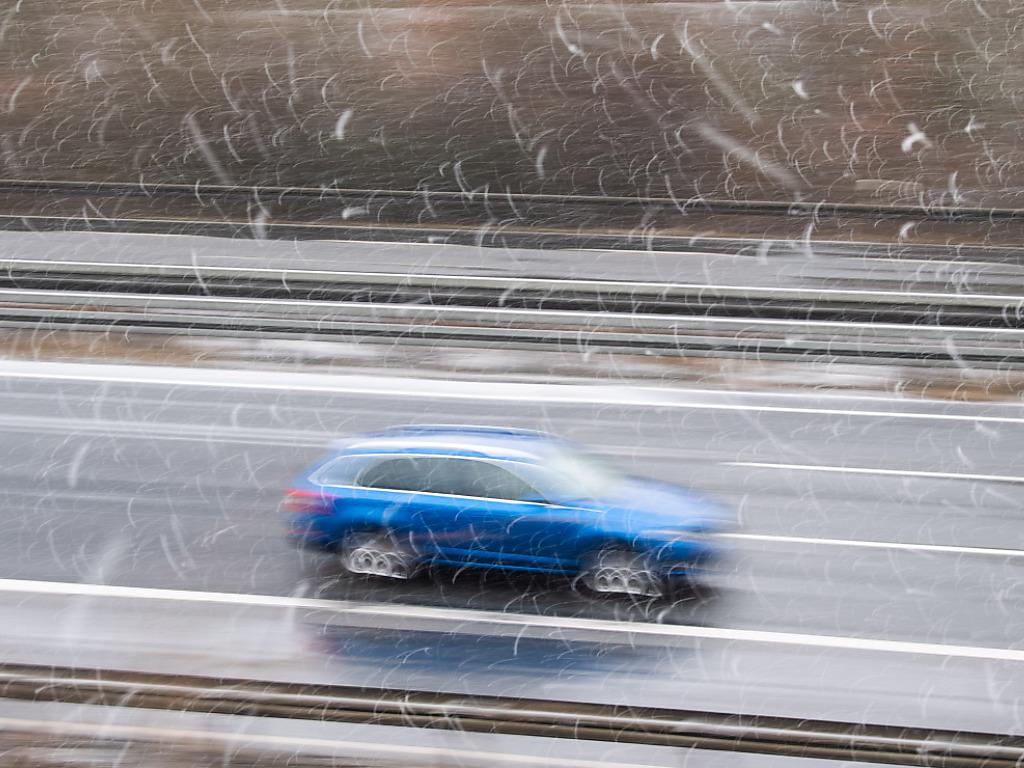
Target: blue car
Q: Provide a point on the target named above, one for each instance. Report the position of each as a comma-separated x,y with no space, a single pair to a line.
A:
394,502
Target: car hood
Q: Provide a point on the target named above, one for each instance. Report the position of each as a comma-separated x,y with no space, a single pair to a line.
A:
638,504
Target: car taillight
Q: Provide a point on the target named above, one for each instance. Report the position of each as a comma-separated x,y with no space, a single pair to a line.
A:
299,502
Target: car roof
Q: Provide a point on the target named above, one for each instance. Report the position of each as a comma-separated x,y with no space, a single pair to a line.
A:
454,440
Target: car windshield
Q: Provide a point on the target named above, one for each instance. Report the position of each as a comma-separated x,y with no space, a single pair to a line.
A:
580,475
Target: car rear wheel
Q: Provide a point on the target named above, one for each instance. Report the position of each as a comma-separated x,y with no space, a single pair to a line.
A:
622,572
378,554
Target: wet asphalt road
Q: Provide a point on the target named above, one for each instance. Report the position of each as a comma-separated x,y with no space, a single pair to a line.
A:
178,487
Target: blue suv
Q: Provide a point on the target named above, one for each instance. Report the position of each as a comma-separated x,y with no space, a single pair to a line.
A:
393,502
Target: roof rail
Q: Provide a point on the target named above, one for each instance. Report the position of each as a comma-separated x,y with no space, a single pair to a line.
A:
420,429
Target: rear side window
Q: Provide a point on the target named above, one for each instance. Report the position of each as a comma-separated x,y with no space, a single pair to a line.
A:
395,475
341,471
428,474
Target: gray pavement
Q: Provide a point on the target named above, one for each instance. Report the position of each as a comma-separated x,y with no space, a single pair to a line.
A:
177,486
172,485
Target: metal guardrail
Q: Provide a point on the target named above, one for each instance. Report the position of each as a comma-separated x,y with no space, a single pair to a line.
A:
635,333
574,315
780,736
58,273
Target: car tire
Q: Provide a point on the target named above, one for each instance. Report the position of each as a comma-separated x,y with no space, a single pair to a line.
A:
378,554
621,571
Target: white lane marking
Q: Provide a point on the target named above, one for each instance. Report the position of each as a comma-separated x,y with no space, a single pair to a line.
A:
439,389
175,735
937,548
466,620
878,471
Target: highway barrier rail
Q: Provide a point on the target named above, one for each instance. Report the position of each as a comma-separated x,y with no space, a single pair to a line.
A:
905,327
882,744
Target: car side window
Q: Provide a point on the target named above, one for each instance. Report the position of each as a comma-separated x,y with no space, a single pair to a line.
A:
447,476
489,481
442,476
393,475
422,475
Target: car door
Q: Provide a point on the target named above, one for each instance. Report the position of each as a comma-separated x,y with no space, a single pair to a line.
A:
516,526
411,495
447,521
384,495
465,508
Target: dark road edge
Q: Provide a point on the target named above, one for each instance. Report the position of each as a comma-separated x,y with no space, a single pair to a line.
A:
881,744
488,200
490,220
